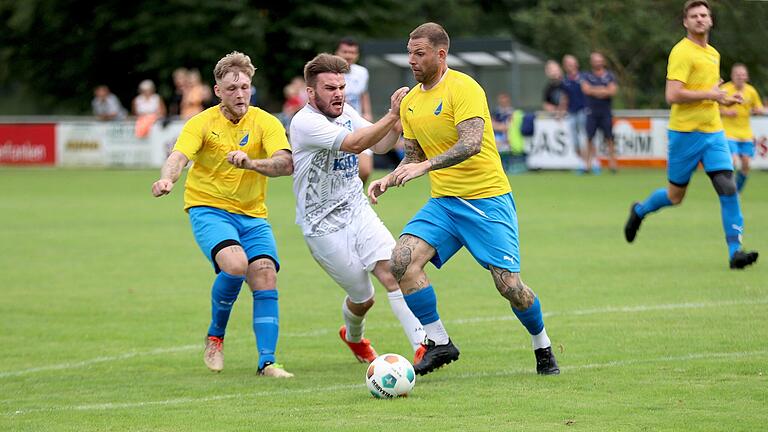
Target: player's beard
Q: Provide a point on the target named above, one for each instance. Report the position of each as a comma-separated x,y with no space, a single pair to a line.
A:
234,111
328,109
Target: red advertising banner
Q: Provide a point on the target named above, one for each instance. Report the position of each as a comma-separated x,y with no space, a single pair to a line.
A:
28,144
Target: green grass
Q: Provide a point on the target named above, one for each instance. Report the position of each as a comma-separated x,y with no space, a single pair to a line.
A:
104,299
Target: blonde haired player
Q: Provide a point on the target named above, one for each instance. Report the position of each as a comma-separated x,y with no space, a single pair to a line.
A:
235,148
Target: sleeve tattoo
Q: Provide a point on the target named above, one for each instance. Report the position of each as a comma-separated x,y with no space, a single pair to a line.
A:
469,144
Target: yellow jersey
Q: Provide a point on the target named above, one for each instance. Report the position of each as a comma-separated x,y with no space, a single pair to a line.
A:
207,138
738,128
430,117
698,68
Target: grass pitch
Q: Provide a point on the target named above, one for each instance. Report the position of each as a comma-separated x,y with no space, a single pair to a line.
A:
105,303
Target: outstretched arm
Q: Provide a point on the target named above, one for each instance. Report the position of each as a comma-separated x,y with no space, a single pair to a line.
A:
170,173
413,155
280,164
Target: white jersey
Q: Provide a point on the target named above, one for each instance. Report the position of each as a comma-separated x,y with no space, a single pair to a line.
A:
357,84
325,179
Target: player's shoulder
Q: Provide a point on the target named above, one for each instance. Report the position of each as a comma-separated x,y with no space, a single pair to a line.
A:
456,81
263,118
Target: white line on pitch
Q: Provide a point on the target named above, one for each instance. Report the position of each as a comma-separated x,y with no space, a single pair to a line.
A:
100,360
320,332
471,375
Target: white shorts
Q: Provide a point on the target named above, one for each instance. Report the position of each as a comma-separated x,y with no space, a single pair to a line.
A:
350,254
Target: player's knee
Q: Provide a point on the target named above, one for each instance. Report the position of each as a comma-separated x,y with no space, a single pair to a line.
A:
723,182
237,266
262,274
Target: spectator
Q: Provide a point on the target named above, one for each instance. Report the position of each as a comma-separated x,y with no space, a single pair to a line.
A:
599,87
500,119
295,94
555,96
194,95
106,106
577,114
147,106
179,83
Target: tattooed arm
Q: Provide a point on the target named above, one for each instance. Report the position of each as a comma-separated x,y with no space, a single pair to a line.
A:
280,164
469,144
170,173
413,155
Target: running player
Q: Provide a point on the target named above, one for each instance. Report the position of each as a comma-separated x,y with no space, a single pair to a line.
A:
235,148
448,134
696,132
343,233
738,131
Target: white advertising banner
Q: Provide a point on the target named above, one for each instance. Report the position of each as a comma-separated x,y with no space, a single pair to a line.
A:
760,128
113,144
639,141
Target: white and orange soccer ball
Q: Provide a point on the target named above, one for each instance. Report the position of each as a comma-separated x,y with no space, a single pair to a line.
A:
390,376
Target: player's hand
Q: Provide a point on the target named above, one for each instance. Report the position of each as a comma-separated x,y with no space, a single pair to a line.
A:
239,159
162,187
407,172
377,188
396,99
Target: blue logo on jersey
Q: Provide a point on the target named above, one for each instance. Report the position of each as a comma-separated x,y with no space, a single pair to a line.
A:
347,124
439,108
348,164
244,141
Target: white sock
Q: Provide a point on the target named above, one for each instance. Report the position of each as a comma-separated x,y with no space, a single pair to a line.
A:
355,324
541,340
411,325
437,332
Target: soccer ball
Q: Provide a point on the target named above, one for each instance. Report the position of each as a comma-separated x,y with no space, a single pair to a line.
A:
389,376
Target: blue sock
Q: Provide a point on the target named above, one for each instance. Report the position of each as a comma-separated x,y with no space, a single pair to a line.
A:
531,318
741,178
423,304
733,222
657,200
266,324
224,292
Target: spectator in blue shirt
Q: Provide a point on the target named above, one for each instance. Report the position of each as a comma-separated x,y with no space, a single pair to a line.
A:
577,113
599,87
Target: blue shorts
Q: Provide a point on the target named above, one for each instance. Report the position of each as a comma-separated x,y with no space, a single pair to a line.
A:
687,149
212,227
487,227
602,121
742,148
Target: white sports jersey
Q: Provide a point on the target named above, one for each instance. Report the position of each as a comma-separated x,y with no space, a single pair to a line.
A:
325,179
357,84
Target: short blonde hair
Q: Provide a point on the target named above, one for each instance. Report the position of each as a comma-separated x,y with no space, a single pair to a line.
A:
233,62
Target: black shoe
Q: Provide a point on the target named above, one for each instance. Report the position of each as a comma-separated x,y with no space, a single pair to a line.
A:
741,259
633,224
436,356
545,362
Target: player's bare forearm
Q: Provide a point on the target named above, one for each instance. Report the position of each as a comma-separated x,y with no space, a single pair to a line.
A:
173,166
469,144
387,143
280,164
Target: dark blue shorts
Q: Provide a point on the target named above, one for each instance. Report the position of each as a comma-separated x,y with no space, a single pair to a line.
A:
602,121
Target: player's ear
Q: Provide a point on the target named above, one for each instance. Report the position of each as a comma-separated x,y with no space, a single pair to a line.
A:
217,91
